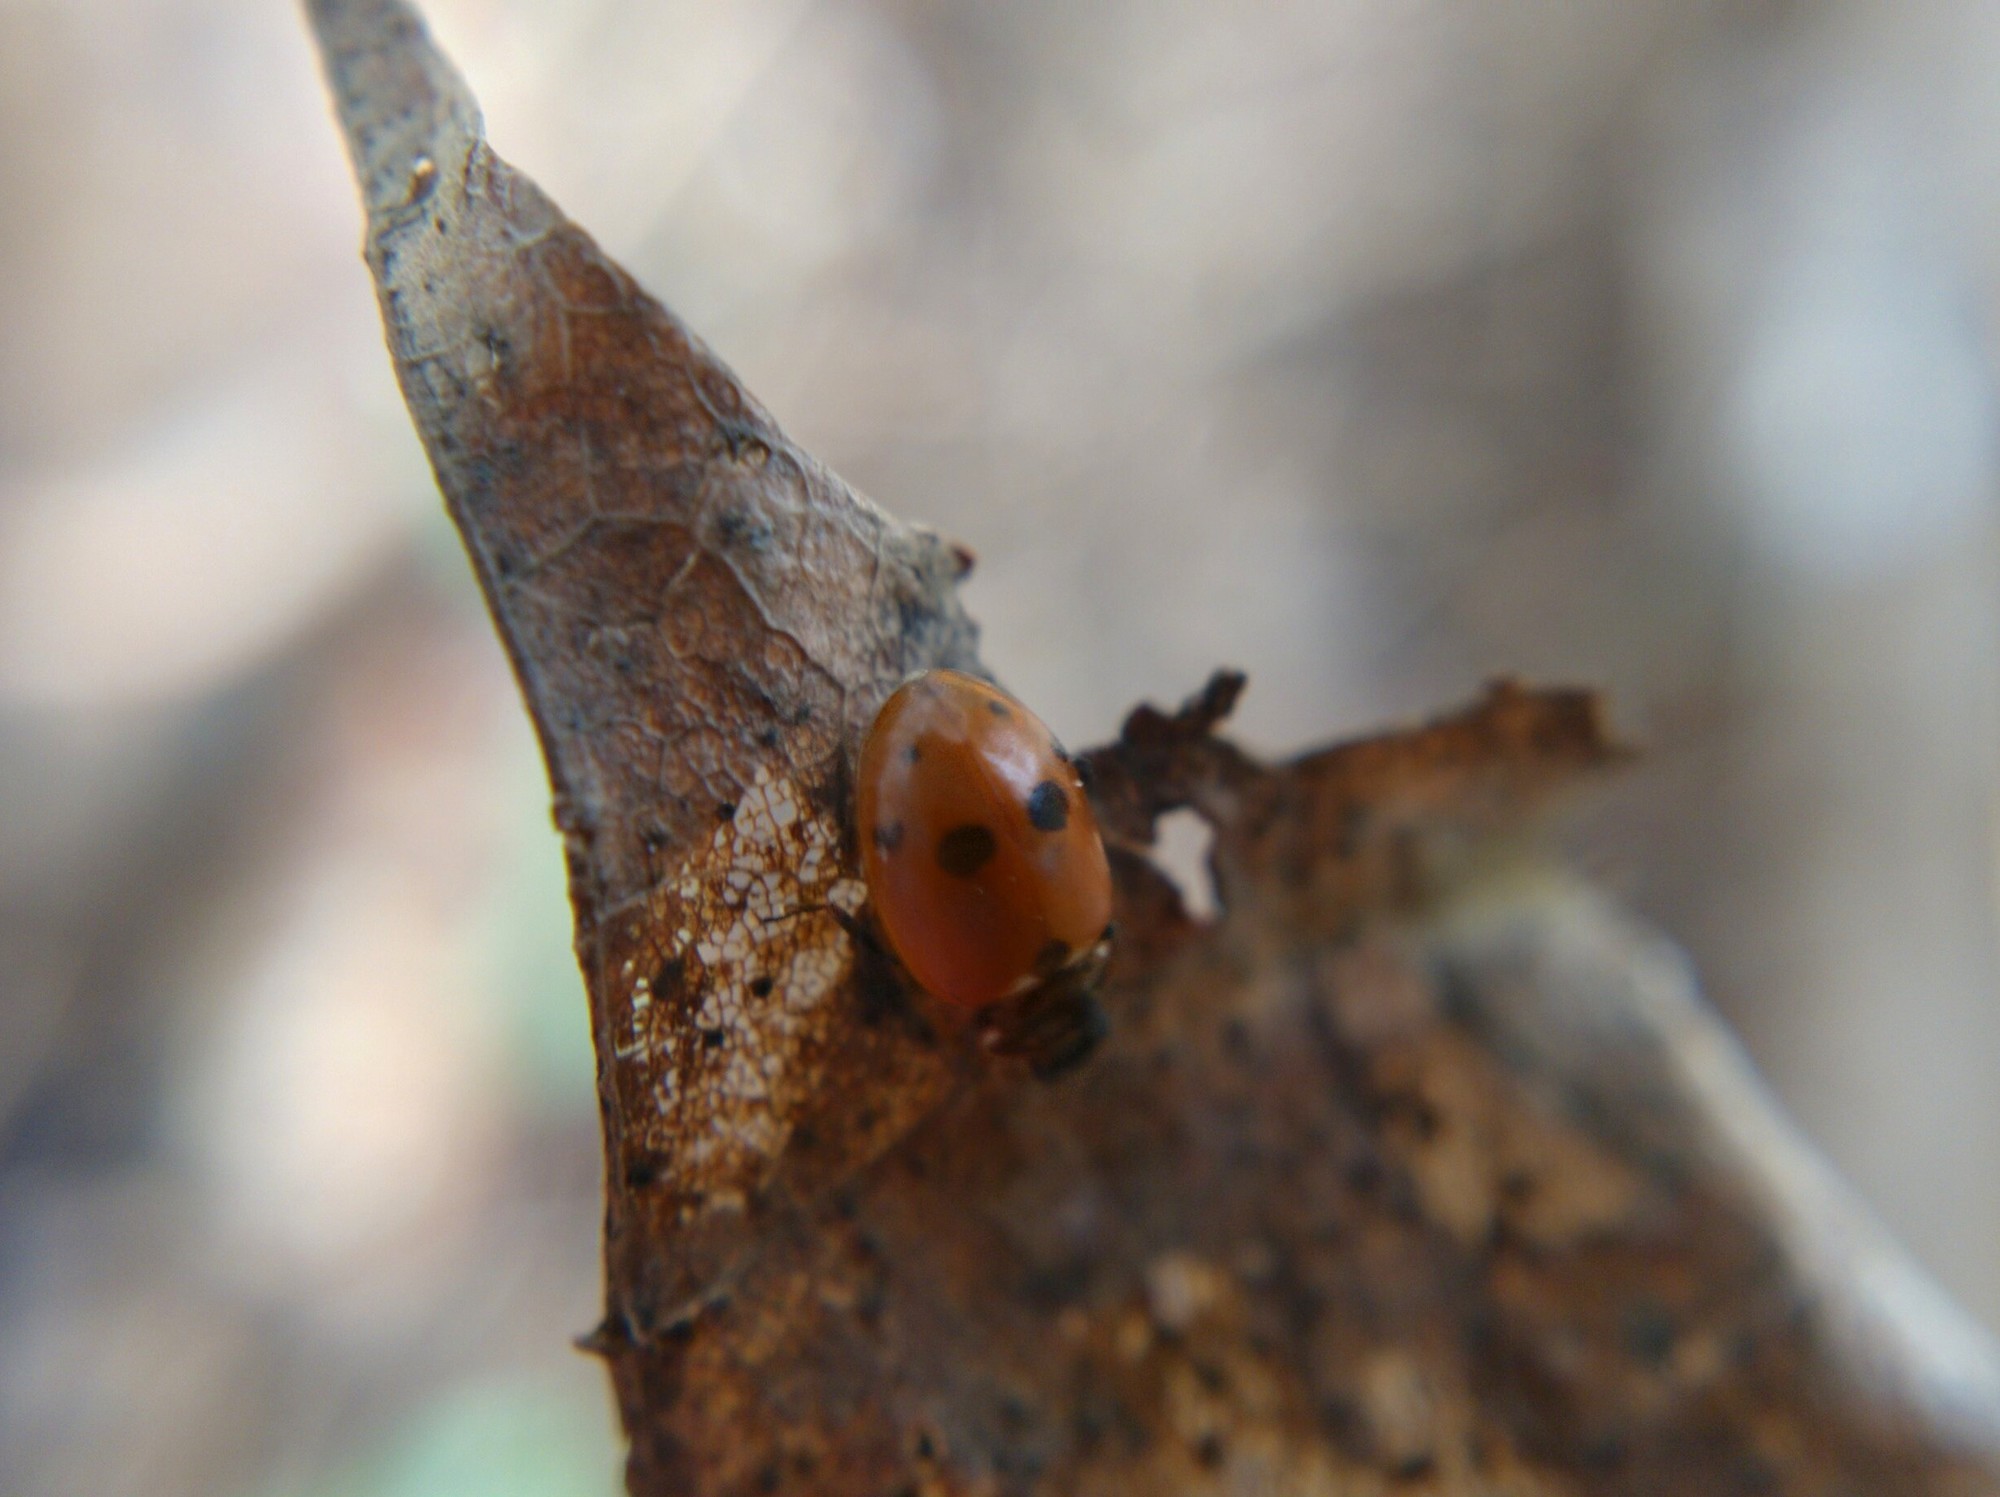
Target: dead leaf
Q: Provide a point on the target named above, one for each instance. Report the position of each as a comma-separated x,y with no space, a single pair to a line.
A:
1345,1204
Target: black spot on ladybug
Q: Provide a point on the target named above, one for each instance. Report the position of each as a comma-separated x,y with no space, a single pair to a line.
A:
998,709
889,837
912,754
760,987
964,850
1048,807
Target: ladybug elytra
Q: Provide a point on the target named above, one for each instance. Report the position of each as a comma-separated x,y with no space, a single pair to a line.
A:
984,864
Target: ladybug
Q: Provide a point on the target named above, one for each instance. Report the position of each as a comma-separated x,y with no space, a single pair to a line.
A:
984,865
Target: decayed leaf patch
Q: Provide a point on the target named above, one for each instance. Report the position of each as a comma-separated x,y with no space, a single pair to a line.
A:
746,929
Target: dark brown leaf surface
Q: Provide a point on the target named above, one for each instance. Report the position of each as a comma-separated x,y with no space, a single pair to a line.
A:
1416,1170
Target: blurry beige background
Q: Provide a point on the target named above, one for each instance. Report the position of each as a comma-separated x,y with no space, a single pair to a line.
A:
1375,346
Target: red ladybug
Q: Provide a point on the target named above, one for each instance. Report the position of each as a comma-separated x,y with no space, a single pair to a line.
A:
984,864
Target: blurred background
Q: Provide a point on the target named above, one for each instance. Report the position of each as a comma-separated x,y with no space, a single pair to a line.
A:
1374,347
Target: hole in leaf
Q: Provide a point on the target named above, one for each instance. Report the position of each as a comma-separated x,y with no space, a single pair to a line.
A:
1182,841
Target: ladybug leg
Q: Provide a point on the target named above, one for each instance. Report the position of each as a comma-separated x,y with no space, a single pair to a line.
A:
860,931
885,988
874,951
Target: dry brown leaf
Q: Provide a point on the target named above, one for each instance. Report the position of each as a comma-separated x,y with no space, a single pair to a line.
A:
1368,1191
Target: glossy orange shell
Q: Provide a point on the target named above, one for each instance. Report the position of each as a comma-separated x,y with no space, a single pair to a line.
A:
979,847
